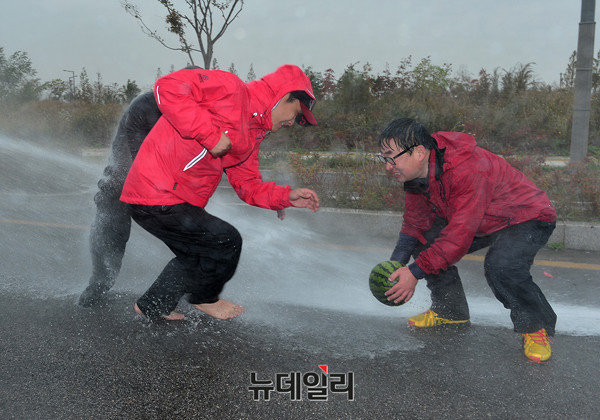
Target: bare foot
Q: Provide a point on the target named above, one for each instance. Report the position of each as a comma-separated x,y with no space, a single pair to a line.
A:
173,316
221,309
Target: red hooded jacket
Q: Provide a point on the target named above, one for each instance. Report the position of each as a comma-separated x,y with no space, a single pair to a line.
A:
477,192
173,165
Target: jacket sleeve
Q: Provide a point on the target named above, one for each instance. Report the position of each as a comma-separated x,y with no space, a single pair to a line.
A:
247,182
404,248
469,197
184,98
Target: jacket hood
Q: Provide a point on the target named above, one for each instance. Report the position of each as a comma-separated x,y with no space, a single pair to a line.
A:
459,146
268,91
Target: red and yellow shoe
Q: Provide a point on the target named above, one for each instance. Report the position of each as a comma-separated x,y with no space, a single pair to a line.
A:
430,319
536,346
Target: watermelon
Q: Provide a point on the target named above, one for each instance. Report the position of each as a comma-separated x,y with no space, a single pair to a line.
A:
379,283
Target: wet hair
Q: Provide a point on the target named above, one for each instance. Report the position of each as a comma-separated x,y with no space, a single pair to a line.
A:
407,134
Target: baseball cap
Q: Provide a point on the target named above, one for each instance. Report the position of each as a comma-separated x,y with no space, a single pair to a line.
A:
307,117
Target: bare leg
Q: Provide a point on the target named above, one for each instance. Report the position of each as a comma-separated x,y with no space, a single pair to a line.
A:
221,309
173,316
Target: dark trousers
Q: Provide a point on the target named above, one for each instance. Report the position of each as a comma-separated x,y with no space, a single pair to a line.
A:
207,250
111,226
507,270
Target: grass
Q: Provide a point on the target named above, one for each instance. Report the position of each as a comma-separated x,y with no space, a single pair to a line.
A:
557,246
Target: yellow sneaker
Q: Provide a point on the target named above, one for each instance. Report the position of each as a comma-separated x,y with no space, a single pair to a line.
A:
537,346
431,319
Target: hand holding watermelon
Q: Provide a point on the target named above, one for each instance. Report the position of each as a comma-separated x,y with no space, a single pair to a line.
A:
404,287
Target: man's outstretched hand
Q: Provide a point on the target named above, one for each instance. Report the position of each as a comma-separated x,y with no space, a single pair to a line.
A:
303,197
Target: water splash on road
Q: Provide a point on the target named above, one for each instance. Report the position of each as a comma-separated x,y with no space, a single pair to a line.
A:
312,296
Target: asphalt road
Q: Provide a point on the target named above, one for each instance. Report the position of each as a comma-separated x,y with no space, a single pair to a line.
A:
307,305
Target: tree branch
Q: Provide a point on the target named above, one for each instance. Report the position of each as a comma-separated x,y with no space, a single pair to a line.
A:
199,18
229,19
132,10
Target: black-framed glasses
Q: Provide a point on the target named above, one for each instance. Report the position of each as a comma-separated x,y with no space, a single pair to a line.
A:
390,160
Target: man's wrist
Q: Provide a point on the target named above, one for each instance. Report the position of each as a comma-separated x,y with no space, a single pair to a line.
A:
209,142
416,271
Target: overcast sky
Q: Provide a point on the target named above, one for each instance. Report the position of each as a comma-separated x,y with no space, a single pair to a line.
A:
470,34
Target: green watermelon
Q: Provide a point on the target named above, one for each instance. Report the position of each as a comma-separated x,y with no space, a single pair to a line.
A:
379,283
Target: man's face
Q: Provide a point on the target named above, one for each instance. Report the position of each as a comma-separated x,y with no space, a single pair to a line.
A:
284,114
408,166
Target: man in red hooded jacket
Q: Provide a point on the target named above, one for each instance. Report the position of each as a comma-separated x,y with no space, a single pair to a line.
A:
461,198
211,123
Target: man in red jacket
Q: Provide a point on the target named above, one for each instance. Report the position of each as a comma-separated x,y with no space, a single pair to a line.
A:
211,123
461,198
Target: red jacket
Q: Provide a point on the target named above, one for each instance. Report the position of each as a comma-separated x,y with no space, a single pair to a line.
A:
173,165
477,192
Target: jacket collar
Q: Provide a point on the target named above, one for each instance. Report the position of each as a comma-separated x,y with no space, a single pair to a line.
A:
436,168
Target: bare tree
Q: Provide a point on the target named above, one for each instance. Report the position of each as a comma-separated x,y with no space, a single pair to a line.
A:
198,29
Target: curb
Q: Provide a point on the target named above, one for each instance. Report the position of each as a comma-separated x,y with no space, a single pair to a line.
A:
573,235
583,236
577,235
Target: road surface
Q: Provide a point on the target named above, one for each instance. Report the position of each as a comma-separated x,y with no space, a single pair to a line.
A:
308,304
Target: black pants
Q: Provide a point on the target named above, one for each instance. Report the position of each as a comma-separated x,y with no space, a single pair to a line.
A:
112,224
207,250
507,270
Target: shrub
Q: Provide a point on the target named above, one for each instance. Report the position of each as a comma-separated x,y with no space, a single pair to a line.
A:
95,123
76,125
348,182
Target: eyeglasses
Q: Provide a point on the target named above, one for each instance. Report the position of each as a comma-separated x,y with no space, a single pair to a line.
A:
390,160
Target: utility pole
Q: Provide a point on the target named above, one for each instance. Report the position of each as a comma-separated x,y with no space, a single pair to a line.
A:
71,83
583,82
